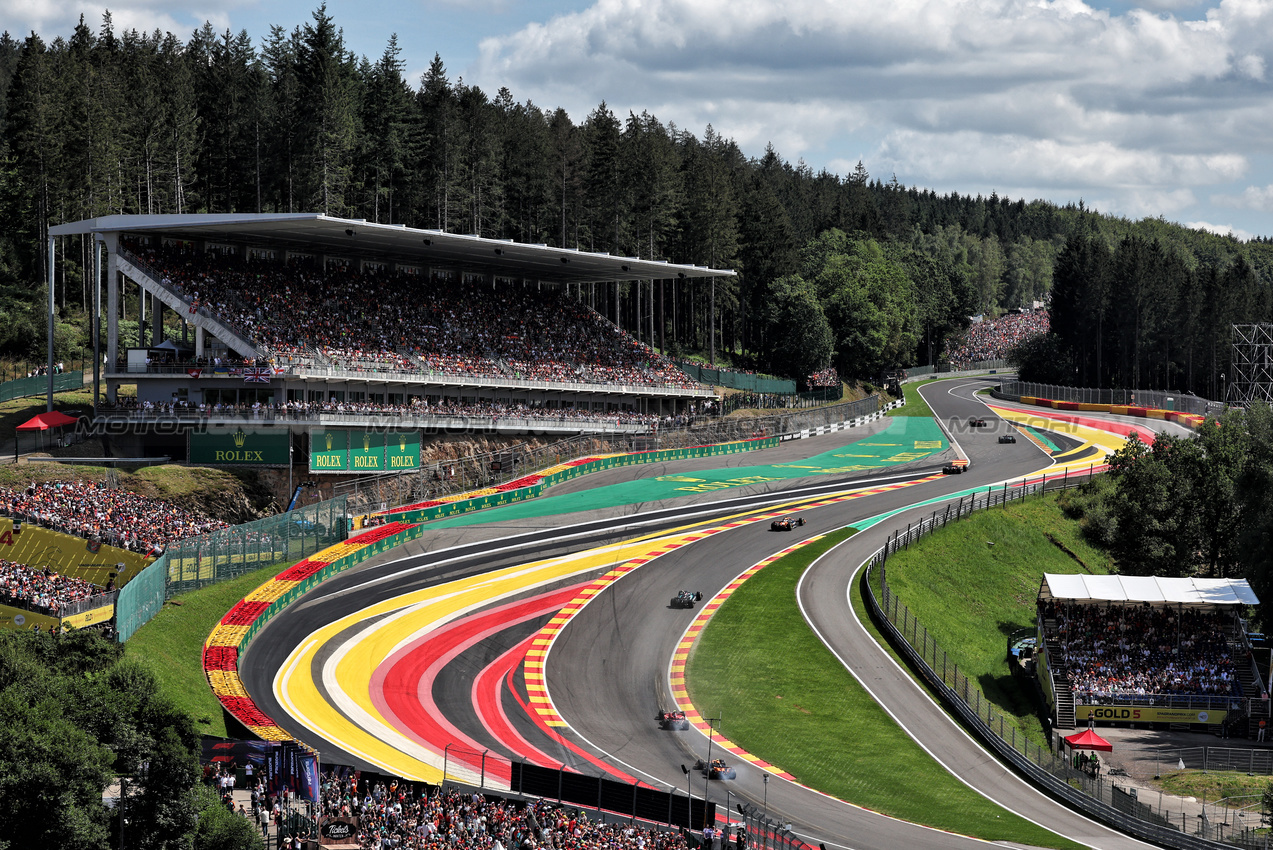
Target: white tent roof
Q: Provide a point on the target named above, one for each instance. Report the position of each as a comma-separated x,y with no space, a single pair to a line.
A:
1151,589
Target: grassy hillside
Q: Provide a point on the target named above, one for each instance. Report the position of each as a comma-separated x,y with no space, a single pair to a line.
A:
975,582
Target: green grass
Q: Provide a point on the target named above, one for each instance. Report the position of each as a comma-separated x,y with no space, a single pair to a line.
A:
915,404
997,586
172,645
814,720
1241,789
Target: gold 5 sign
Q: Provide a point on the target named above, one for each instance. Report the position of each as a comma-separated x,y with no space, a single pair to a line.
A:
1147,714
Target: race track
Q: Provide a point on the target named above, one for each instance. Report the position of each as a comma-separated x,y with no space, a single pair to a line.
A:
531,639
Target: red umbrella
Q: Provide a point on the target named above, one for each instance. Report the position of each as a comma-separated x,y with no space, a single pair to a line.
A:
43,422
1089,740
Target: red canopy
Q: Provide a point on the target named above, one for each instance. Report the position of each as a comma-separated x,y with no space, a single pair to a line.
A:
45,421
1089,740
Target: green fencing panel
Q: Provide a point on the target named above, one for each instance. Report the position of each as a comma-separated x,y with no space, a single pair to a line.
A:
286,538
141,598
737,380
24,387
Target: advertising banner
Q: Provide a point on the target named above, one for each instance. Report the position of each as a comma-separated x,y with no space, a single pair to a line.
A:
339,831
16,618
402,450
239,447
1147,714
367,451
329,451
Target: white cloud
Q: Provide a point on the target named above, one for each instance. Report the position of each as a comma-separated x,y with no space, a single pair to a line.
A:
1222,229
1252,198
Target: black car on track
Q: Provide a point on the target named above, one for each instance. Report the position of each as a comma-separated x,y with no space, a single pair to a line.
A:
718,769
686,598
786,523
673,720
1007,438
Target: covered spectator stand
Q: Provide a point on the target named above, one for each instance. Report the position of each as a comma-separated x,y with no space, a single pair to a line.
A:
1145,650
42,423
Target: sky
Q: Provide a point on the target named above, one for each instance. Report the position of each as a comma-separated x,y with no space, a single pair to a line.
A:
1162,108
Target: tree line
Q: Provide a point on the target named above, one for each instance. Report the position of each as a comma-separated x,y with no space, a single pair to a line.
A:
76,715
1189,506
102,122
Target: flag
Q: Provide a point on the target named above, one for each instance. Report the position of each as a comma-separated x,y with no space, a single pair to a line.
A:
194,373
257,374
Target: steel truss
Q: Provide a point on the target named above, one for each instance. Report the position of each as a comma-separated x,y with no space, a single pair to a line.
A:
1252,379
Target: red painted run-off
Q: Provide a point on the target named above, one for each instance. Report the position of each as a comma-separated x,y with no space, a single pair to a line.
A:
402,686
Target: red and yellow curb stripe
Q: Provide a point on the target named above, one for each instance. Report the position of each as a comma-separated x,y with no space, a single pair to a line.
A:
222,648
676,674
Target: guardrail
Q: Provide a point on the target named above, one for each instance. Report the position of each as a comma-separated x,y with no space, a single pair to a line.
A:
1153,399
1098,797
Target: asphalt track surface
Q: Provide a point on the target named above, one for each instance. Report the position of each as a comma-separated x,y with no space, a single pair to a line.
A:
607,671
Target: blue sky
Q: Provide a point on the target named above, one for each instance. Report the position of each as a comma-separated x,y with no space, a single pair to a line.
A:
1159,108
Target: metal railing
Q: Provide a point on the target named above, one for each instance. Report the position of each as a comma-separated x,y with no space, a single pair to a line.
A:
79,606
914,372
1101,797
1158,399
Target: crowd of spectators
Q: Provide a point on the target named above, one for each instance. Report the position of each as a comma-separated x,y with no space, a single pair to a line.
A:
382,321
41,590
1124,652
396,817
116,517
297,410
827,377
993,339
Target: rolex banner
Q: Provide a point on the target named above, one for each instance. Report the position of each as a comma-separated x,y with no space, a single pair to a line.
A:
366,451
335,450
329,451
238,447
402,450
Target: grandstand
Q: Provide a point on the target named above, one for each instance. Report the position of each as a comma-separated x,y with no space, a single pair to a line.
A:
300,322
1144,649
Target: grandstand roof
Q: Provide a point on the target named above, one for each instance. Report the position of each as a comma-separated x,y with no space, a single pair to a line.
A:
359,239
1152,589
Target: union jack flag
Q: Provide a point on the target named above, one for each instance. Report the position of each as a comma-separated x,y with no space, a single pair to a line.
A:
257,374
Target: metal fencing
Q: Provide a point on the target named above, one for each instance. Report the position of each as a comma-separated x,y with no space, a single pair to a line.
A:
440,477
286,538
39,385
1158,399
737,380
1116,803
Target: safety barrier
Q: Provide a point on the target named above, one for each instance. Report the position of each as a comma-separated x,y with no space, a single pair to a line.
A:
1189,420
1103,397
1098,797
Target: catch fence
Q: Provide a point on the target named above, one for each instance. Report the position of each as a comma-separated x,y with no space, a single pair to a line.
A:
1102,797
226,553
39,385
737,380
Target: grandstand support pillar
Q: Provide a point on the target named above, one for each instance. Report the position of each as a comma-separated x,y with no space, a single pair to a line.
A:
96,325
157,318
712,332
141,316
52,247
198,340
112,307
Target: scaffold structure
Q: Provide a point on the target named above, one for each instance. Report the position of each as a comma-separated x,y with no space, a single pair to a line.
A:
1252,364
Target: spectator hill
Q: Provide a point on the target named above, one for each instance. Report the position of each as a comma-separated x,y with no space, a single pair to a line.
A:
1146,649
62,543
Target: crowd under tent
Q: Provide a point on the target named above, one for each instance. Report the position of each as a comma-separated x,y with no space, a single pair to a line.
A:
1078,589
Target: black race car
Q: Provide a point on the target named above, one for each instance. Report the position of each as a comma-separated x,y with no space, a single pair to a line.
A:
686,598
977,422
786,523
1007,438
673,720
955,467
718,769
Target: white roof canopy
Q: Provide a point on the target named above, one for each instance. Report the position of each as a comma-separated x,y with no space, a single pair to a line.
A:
1152,589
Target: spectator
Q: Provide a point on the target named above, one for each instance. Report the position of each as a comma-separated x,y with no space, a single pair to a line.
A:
993,339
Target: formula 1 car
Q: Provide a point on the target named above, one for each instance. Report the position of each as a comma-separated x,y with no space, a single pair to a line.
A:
977,422
686,598
673,720
1008,438
786,523
955,467
718,769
